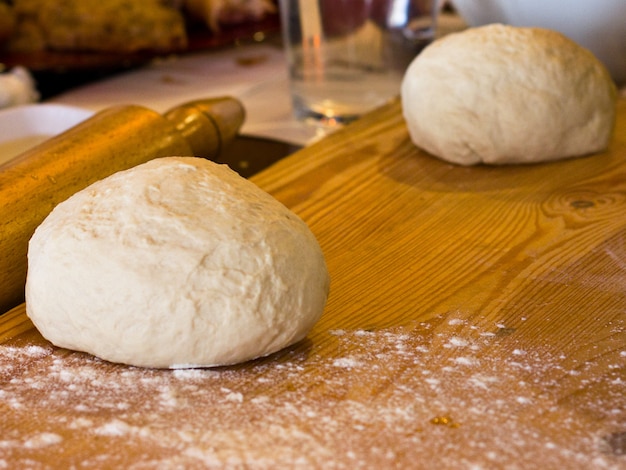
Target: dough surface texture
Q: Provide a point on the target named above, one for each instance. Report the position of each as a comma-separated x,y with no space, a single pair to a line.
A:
178,262
502,94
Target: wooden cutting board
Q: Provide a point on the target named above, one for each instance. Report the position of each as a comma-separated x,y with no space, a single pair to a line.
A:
476,320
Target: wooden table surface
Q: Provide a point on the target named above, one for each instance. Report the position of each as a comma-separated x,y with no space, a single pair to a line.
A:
476,320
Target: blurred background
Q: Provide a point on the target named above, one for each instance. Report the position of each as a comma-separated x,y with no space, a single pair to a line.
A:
66,43
63,44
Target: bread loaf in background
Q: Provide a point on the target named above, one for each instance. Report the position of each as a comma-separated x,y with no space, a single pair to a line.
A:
7,22
120,26
102,25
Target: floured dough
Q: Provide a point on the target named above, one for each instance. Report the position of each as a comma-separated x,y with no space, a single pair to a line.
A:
178,262
502,94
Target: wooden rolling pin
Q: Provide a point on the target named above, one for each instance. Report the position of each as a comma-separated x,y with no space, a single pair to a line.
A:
118,138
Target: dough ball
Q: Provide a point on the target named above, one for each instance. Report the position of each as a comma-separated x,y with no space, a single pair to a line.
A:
501,94
175,263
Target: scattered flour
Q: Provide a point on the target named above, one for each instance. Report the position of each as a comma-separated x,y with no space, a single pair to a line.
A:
43,439
456,342
346,362
113,428
406,397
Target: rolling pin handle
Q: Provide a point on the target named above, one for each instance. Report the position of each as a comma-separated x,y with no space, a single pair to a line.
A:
208,125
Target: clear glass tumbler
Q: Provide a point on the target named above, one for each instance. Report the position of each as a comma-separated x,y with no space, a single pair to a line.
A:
347,57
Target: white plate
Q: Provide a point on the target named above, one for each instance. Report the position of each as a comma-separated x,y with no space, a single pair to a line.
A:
23,127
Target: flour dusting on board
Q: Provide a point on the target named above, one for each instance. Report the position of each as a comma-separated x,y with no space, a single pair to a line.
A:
409,397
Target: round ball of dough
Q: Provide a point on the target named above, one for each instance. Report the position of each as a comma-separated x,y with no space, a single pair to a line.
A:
175,263
501,94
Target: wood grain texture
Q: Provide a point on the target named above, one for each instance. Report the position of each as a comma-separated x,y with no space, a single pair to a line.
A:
476,317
